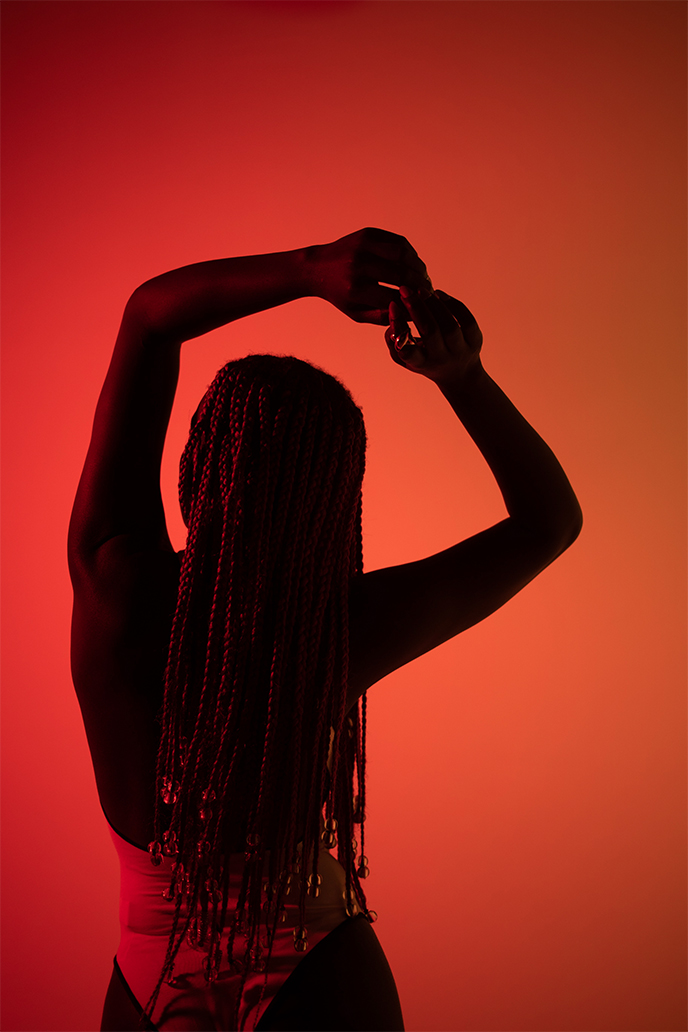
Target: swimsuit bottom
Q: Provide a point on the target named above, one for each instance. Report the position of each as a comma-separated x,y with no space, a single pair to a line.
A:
344,984
186,1000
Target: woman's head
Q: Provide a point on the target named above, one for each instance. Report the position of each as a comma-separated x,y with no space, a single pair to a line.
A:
280,437
257,673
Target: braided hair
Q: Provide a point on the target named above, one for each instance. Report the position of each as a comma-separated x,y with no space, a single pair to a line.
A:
256,678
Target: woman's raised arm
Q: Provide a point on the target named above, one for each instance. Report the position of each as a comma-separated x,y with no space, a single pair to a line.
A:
119,491
401,612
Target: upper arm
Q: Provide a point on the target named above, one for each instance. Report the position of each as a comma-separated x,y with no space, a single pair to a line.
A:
401,612
119,489
121,622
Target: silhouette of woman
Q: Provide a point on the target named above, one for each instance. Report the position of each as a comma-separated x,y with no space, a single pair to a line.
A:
223,688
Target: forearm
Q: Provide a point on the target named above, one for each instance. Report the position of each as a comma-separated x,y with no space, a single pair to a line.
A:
195,299
536,491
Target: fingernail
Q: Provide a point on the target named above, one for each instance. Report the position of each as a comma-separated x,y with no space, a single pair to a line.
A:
406,291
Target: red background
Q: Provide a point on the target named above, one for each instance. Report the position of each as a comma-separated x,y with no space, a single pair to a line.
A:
527,801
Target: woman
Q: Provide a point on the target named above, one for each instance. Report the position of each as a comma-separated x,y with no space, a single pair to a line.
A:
223,688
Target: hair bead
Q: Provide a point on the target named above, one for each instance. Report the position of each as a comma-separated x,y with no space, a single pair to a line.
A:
169,843
363,870
192,933
314,883
155,850
202,848
170,791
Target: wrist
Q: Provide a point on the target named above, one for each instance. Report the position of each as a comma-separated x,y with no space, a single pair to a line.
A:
463,385
311,271
292,274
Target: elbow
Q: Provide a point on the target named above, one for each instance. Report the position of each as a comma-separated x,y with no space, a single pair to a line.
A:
551,537
567,530
140,309
147,312
575,523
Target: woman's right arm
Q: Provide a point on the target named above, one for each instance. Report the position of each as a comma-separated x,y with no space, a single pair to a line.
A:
119,491
118,502
401,612
195,299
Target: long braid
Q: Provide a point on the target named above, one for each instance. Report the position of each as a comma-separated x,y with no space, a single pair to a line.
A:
256,679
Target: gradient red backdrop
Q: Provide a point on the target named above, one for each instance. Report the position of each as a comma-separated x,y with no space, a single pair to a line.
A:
527,780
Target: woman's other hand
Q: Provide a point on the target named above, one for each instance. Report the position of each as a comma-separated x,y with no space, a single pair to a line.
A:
448,349
349,272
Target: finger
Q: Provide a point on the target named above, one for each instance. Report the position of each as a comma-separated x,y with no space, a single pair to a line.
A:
397,334
397,318
465,318
373,297
394,354
410,356
398,341
457,307
385,244
362,313
394,248
398,327
382,270
420,314
446,320
371,301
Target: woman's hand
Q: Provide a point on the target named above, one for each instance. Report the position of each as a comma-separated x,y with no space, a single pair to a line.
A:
349,271
448,349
